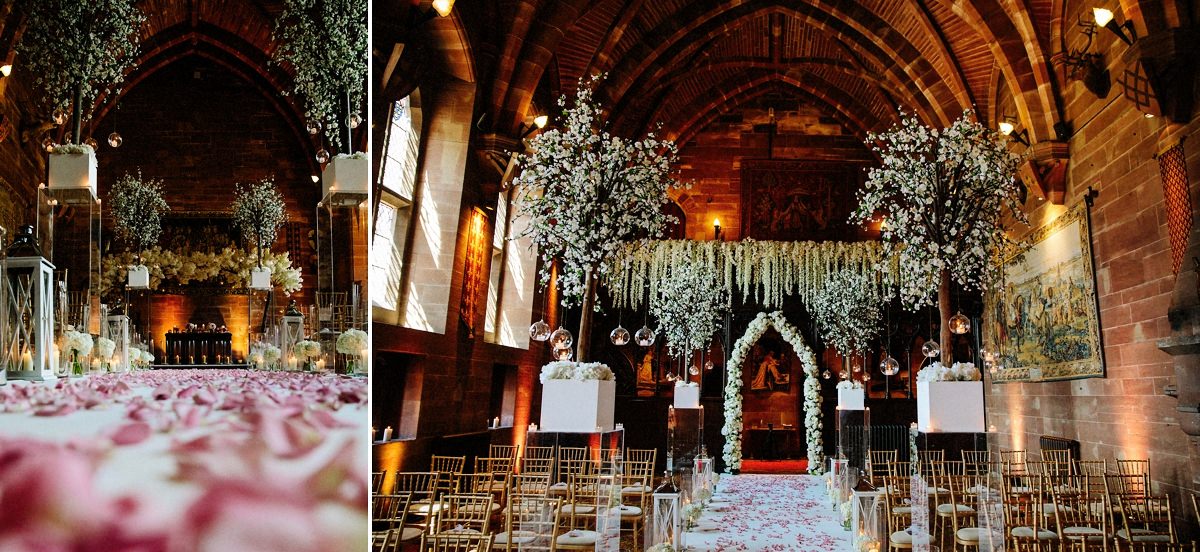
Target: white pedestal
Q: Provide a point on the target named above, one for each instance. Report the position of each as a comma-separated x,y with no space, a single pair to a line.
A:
260,278
346,177
687,396
578,406
950,406
73,173
139,277
851,399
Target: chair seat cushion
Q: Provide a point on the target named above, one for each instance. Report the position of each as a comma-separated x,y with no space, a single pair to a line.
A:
493,508
1082,531
968,534
947,509
904,537
635,489
424,508
1049,509
410,533
517,537
902,510
629,511
578,509
1027,533
578,537
1143,535
460,530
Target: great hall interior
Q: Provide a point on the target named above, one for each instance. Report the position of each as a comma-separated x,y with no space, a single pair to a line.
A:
1082,331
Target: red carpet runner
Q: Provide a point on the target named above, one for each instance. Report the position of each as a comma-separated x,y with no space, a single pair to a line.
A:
775,466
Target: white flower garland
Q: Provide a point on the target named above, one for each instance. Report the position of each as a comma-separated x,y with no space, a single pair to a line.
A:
733,390
763,271
230,266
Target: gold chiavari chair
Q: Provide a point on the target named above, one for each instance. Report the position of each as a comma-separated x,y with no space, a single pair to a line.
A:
1082,522
607,455
633,507
957,504
423,487
504,451
530,523
387,521
642,455
449,469
1025,517
899,513
1146,519
1128,489
1057,455
377,482
530,485
881,464
639,476
453,542
572,460
583,492
500,468
481,484
538,460
1093,467
463,514
1134,467
1123,546
966,525
1014,459
976,456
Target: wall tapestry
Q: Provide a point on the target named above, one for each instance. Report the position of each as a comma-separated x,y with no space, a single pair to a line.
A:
1043,320
797,200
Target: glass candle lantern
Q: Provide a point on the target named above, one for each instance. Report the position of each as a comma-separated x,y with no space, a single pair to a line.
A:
666,526
28,315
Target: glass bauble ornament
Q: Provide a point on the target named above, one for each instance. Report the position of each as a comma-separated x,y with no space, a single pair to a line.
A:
561,338
960,324
866,377
48,144
562,353
826,374
889,366
115,140
931,349
93,143
644,336
694,370
671,376
355,120
619,336
322,156
857,366
59,116
708,365
314,127
539,331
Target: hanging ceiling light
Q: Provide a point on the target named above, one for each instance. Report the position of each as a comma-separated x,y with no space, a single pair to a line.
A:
443,7
322,156
562,353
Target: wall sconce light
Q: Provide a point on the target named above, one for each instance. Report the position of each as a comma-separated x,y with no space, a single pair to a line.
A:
5,70
1087,66
1007,127
438,8
717,229
1104,18
539,123
443,7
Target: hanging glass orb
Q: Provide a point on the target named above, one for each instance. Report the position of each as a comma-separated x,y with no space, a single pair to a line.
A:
866,377
889,366
671,376
93,143
322,156
857,366
59,116
931,349
694,370
539,331
619,336
826,374
115,140
48,144
644,336
355,120
561,338
562,353
960,324
314,127
708,365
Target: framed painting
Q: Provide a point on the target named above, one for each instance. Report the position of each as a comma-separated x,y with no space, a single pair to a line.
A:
797,200
1042,321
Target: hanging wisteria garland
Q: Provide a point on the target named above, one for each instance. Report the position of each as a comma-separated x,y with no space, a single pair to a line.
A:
764,272
688,307
587,193
944,194
848,312
732,429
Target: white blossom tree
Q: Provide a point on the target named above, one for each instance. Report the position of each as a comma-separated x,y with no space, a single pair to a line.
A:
587,192
137,206
259,211
944,194
848,312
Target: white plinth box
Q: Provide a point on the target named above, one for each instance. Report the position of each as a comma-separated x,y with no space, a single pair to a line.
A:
139,277
73,173
346,180
260,278
851,399
950,406
578,406
687,396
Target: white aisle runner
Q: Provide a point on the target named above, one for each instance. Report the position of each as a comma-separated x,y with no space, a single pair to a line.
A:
770,512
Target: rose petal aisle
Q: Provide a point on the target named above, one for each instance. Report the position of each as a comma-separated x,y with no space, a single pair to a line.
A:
184,460
769,512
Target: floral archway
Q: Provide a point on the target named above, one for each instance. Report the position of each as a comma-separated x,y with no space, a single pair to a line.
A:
733,389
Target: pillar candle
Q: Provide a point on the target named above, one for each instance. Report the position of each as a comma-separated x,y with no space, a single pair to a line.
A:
387,433
291,363
95,365
320,365
26,362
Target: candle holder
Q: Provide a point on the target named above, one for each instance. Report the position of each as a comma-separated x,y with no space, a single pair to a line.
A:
27,319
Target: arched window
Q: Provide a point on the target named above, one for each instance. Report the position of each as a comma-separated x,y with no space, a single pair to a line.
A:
397,185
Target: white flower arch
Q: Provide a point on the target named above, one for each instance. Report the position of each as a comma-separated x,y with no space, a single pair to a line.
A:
733,390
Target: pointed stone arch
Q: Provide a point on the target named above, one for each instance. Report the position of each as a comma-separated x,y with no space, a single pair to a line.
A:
732,429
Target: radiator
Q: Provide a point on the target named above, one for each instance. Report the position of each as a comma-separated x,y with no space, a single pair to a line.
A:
1048,442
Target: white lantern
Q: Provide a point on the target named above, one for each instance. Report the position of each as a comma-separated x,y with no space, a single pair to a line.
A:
702,472
28,316
667,523
346,180
291,332
73,177
118,331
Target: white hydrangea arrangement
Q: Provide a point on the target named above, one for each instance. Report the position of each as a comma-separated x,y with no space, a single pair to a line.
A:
579,371
104,350
183,268
587,192
271,355
682,383
352,342
307,349
688,306
77,343
849,384
732,430
944,194
959,371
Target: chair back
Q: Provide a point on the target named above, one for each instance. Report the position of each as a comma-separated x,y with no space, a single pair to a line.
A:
1147,518
532,523
530,485
504,451
464,513
377,482
1081,518
451,464
1093,467
456,542
976,456
573,461
642,455
422,485
387,511
1014,459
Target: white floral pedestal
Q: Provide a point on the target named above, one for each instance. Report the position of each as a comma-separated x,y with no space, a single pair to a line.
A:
138,277
851,399
260,278
950,407
346,180
73,174
578,405
687,396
